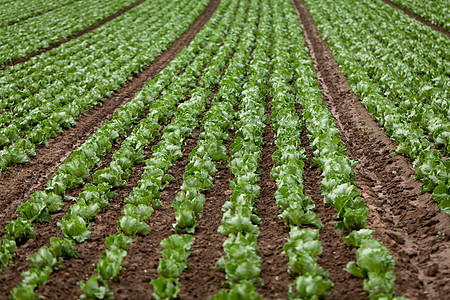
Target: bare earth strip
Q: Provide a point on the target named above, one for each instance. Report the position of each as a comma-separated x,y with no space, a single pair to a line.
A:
17,184
416,233
72,37
140,264
335,254
418,17
273,232
62,283
207,249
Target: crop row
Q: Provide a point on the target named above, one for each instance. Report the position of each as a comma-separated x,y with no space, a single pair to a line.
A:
78,166
241,261
26,83
24,38
338,184
10,12
113,57
405,114
296,208
164,154
135,212
198,175
437,12
413,76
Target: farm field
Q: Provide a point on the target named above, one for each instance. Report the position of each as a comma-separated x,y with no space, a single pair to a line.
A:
224,149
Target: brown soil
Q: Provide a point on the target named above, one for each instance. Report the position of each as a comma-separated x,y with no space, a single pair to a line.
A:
64,282
418,18
140,264
273,233
207,249
335,253
18,183
74,36
404,220
73,270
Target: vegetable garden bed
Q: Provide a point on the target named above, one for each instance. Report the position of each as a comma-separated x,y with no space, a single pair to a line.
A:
234,161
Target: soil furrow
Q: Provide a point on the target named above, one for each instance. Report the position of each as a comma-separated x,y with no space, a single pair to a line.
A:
273,233
207,249
64,282
418,17
140,265
74,36
335,254
408,223
11,211
18,183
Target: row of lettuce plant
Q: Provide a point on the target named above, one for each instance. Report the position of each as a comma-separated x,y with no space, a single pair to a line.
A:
437,12
156,174
165,154
45,72
155,177
216,123
303,245
241,261
76,222
177,249
77,167
12,133
28,85
15,11
29,99
64,116
435,41
430,165
199,173
97,55
338,187
416,84
26,37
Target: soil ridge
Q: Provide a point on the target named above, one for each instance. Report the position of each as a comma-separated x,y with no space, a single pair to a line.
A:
407,222
18,183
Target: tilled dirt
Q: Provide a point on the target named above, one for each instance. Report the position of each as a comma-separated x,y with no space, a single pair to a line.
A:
273,233
74,36
335,253
87,251
140,265
64,281
18,183
418,17
408,223
202,281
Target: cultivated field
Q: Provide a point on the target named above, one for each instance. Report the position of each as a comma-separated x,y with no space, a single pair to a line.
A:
224,149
